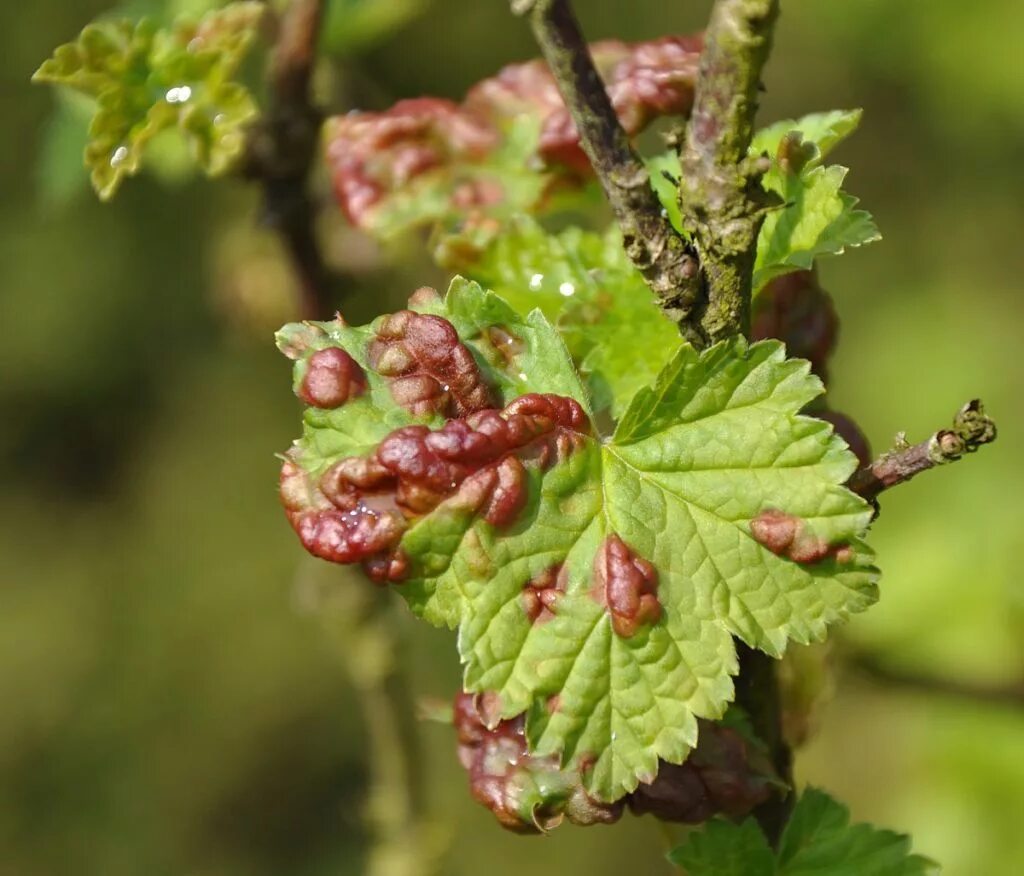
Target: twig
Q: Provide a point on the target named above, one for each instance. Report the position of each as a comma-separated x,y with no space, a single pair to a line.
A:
720,194
654,246
971,429
282,147
870,666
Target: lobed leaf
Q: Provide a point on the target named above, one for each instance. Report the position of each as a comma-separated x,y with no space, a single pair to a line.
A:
817,217
596,585
146,80
818,839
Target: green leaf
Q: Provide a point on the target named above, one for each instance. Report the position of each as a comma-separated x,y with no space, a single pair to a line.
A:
818,217
654,541
825,130
586,284
726,849
665,170
146,80
818,841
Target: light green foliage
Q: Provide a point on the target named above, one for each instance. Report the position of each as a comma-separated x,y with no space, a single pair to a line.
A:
715,441
817,217
146,80
585,283
818,841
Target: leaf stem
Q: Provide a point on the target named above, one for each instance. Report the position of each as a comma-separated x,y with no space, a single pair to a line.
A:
654,246
972,428
282,147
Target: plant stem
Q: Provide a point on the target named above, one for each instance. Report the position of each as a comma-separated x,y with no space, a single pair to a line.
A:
720,194
282,147
971,430
654,246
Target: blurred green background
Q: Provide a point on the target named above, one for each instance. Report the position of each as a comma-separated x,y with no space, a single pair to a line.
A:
168,705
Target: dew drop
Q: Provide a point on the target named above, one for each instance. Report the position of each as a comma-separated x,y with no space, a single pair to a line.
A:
535,281
119,156
179,94
566,289
522,375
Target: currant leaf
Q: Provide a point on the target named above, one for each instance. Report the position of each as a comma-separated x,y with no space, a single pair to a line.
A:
596,584
817,217
585,283
146,80
825,130
818,839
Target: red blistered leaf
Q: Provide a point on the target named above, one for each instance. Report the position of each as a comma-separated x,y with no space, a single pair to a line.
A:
361,506
723,775
430,370
541,596
628,586
795,309
526,793
788,536
332,378
373,155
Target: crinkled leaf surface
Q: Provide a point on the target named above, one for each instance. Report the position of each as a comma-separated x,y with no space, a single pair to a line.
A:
146,80
509,146
697,458
818,218
585,283
358,426
818,841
